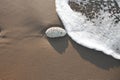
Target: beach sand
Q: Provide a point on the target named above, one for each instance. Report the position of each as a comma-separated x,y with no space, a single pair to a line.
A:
27,54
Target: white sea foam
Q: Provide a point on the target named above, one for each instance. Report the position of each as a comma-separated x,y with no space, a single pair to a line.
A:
103,36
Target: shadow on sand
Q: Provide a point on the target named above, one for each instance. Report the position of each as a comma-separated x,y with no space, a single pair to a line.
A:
59,44
98,58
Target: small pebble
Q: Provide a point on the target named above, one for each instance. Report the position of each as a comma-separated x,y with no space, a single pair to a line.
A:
55,32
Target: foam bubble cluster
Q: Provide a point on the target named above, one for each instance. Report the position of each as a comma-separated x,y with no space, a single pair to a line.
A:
92,23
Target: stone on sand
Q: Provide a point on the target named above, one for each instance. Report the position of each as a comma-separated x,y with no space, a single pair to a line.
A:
55,32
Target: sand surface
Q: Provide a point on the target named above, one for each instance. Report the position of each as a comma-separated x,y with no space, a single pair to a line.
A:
26,54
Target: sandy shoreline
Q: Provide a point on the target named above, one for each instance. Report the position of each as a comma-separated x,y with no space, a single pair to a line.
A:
27,55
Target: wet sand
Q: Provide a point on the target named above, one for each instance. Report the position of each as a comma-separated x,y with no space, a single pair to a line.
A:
26,54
